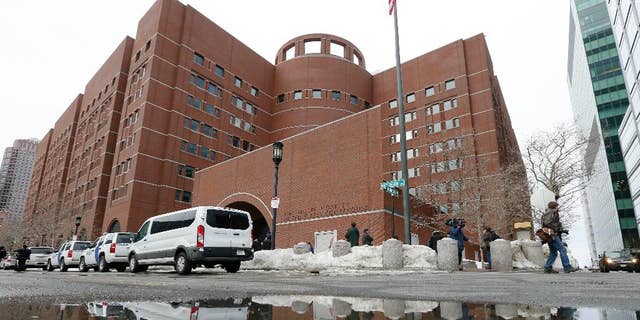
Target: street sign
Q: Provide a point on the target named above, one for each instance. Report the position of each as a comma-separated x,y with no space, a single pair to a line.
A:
393,192
392,184
275,202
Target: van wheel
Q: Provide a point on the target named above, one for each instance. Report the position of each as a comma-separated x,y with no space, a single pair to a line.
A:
133,264
49,266
63,266
232,267
102,265
182,264
83,266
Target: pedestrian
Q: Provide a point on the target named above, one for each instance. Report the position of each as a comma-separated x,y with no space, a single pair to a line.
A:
266,243
3,252
255,245
488,236
310,247
433,240
352,235
551,224
457,234
367,239
22,255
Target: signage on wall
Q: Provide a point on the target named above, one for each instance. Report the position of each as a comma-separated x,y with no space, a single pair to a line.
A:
275,202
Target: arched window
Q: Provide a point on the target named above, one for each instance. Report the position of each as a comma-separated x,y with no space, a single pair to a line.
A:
115,226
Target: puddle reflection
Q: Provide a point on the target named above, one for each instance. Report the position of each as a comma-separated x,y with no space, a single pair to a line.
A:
305,308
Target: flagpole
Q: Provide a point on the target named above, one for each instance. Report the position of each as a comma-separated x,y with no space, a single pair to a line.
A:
403,137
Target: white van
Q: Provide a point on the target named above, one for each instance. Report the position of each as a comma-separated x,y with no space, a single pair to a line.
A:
187,238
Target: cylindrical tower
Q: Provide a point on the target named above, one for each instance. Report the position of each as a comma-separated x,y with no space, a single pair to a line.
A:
319,78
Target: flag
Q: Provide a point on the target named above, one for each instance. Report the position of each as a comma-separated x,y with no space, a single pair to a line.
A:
392,5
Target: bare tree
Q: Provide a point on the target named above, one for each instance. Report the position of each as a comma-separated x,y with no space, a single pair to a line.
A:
555,160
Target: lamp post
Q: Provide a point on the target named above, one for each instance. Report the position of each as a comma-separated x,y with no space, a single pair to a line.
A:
277,158
75,234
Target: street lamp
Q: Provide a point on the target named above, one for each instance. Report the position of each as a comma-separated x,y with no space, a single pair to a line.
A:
277,158
78,219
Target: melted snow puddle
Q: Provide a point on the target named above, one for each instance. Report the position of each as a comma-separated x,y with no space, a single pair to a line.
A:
304,308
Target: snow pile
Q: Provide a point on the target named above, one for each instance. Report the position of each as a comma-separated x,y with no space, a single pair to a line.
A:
356,304
361,257
519,259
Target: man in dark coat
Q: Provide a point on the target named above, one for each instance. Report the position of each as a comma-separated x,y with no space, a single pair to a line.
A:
367,239
352,235
433,240
3,253
488,236
457,234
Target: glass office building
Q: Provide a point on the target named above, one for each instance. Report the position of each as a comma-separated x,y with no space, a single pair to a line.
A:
599,99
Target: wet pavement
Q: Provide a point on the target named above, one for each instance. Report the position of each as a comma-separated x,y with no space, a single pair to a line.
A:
52,295
304,308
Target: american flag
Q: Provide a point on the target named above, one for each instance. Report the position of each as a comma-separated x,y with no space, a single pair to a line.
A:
392,5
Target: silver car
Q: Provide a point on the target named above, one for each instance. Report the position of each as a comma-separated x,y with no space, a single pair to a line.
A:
39,257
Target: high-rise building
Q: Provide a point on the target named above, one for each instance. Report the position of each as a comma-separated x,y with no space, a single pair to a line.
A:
15,175
625,17
187,96
599,100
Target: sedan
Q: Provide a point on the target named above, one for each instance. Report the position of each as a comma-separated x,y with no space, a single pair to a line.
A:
619,261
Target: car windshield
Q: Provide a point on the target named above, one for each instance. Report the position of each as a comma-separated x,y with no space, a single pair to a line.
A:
125,237
615,254
226,219
41,250
81,245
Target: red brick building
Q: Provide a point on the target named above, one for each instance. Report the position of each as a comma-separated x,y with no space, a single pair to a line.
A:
191,114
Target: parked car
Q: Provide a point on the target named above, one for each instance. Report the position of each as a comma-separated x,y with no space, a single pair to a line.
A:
9,262
105,309
68,255
621,260
188,238
39,257
109,250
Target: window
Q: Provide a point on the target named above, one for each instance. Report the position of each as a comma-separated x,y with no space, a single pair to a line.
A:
429,91
280,98
204,152
454,143
453,164
212,110
450,104
206,129
436,147
353,99
198,81
336,49
247,126
219,71
336,95
254,91
192,148
194,102
393,104
137,56
214,89
312,46
249,107
410,116
189,171
289,52
198,59
450,84
297,95
434,128
414,172
195,125
394,121
411,97
412,153
236,122
356,58
186,197
434,109
147,46
246,146
183,145
414,133
237,82
455,185
316,93
237,102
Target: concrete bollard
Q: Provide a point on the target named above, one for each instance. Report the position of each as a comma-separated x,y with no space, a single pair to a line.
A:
501,255
450,310
341,308
393,309
506,311
447,254
341,248
301,248
392,254
533,252
300,307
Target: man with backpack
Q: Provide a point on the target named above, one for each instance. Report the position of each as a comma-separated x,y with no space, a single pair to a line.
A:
488,236
551,224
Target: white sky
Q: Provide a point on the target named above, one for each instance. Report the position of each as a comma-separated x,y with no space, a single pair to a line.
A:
52,48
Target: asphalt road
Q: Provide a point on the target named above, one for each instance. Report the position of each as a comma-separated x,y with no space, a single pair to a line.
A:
618,290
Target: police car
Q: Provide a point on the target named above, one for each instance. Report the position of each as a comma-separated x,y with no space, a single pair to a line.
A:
68,255
109,250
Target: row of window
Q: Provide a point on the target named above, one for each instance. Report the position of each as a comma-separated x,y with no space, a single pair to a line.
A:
240,144
198,104
451,144
200,127
408,117
125,143
444,187
132,118
183,196
237,122
448,165
219,71
186,171
446,105
335,95
198,150
146,48
123,167
408,135
446,125
430,91
119,192
413,172
244,105
411,153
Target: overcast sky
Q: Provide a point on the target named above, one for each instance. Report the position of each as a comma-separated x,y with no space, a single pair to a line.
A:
52,48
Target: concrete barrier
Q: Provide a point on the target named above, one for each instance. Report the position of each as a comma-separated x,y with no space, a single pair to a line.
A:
533,252
506,311
451,310
392,254
301,248
501,255
393,309
341,308
300,307
447,254
341,248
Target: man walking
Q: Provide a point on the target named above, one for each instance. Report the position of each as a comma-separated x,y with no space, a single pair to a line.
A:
551,224
367,239
457,234
488,236
433,240
352,235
